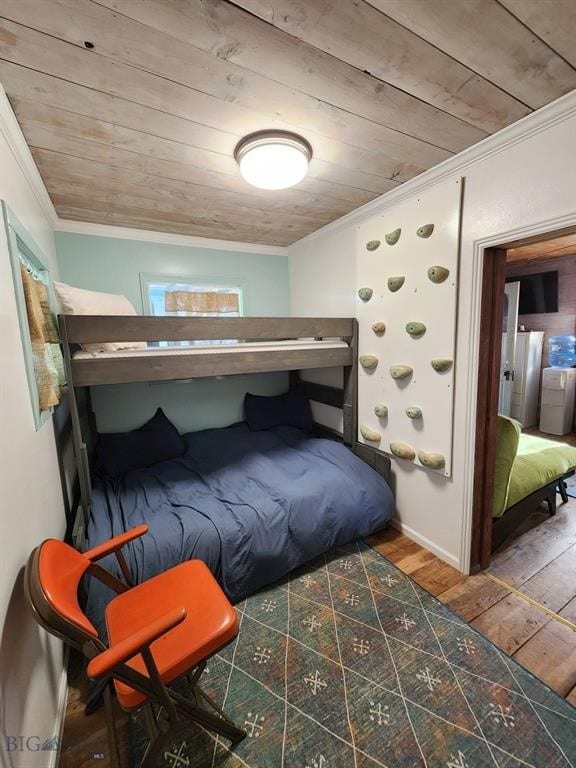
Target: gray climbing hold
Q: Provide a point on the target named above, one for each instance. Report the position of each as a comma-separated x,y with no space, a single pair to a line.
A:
379,328
441,365
413,412
393,237
432,460
403,451
381,410
415,329
438,274
370,434
425,231
400,371
395,283
371,245
365,293
369,362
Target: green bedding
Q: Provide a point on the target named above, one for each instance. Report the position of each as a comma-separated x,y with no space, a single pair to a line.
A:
537,462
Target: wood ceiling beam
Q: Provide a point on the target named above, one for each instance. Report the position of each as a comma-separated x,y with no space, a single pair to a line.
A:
162,72
364,37
236,36
138,219
489,40
554,23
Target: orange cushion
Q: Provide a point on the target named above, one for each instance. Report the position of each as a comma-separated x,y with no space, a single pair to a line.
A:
210,622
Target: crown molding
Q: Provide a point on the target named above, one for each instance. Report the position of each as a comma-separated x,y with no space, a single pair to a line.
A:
165,238
17,143
556,112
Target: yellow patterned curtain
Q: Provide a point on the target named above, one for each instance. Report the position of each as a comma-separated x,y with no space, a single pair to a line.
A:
201,301
48,364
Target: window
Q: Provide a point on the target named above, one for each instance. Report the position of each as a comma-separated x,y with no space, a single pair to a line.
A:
40,343
191,297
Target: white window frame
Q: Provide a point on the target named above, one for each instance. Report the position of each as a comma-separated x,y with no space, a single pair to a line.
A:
200,282
23,249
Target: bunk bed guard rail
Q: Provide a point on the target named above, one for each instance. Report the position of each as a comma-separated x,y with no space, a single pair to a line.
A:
175,364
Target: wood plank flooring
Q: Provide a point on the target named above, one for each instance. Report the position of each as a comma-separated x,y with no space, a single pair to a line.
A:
538,561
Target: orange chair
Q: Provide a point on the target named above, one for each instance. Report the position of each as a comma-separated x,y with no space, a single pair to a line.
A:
158,631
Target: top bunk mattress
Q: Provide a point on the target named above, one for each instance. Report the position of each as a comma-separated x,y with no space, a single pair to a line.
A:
219,349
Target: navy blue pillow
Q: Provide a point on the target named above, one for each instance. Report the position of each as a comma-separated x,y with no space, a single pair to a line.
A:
157,440
292,409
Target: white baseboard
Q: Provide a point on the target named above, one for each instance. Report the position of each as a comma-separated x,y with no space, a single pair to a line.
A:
426,543
61,714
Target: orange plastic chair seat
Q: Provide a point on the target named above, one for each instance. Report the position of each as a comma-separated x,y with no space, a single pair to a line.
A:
210,623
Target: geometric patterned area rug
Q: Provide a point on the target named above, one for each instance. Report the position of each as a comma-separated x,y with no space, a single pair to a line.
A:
347,663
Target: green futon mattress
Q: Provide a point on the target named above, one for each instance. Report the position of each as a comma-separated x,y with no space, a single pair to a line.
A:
538,461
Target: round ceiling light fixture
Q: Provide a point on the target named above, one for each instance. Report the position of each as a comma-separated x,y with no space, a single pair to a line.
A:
273,159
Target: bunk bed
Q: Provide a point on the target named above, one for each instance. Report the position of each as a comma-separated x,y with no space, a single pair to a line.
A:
254,505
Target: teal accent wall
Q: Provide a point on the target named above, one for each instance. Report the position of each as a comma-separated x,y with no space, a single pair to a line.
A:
115,265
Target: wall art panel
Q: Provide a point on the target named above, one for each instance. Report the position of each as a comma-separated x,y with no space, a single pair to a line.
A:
412,276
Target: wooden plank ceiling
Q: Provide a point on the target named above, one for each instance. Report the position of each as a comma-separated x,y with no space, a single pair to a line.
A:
132,108
564,245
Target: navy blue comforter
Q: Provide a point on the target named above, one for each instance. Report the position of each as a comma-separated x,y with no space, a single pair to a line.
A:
252,505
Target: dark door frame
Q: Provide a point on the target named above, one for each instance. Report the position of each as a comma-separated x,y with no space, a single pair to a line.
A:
491,318
489,354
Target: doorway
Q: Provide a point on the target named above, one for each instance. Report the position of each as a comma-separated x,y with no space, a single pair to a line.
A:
499,378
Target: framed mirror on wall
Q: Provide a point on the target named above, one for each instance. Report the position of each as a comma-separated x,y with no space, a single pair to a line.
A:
36,316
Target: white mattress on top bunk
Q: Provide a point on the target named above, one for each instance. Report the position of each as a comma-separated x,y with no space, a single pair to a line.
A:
218,349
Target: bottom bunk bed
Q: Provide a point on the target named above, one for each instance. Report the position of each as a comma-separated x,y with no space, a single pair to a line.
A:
253,505
254,502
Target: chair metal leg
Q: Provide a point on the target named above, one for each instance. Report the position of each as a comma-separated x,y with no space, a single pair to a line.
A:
220,723
155,747
110,727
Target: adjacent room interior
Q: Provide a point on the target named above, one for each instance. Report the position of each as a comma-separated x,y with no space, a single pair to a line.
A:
288,340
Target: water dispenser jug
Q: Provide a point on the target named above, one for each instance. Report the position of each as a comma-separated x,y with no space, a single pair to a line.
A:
562,351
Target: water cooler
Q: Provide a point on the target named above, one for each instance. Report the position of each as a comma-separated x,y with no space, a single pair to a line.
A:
557,407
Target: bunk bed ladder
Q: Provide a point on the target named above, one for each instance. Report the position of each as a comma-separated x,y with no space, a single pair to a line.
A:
80,449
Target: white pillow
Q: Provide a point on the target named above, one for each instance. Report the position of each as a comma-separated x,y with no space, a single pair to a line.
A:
78,301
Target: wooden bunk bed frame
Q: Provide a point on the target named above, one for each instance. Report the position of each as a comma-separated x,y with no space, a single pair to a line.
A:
85,372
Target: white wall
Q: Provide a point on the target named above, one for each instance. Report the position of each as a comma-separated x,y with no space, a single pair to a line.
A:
31,508
518,183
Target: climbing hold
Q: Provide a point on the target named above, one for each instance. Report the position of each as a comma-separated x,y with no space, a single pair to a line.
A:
381,410
400,371
438,274
393,237
413,412
425,231
415,329
395,283
379,328
370,434
403,451
441,365
369,362
365,293
371,245
432,460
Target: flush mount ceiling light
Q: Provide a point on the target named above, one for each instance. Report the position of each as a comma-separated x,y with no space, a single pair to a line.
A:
273,159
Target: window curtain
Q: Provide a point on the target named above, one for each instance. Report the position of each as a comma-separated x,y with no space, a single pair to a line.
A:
48,364
201,302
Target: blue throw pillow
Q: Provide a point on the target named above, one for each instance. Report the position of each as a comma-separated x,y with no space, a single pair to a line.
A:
292,409
157,440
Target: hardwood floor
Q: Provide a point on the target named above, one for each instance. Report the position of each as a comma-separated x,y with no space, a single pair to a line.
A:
538,562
